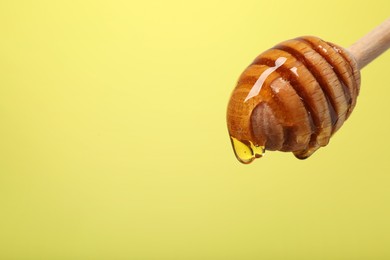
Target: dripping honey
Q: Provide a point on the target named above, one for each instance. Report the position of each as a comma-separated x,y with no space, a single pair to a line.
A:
246,152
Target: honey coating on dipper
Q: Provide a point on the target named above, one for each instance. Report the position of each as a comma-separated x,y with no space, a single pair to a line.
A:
292,98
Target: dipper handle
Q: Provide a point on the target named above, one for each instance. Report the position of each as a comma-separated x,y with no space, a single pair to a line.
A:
371,45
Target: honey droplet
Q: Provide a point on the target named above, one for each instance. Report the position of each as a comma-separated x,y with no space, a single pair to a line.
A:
246,153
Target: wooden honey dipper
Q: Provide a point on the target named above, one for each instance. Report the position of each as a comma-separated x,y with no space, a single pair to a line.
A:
296,95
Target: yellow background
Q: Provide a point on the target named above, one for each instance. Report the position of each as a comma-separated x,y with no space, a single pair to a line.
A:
113,141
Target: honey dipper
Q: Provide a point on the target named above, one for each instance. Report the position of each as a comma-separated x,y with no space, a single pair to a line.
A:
296,95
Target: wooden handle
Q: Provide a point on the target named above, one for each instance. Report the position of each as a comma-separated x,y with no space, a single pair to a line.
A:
372,44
